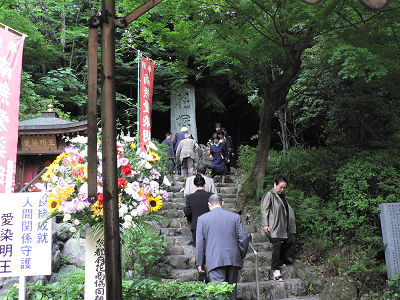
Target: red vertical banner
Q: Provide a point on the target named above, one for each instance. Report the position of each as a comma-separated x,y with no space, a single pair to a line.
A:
11,50
145,100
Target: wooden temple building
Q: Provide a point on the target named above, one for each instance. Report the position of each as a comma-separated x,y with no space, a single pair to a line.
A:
40,140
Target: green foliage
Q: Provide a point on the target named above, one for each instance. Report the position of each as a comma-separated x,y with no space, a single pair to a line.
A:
71,287
362,184
246,157
335,194
142,249
155,289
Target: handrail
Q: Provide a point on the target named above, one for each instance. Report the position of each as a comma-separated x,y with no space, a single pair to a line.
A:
256,267
32,181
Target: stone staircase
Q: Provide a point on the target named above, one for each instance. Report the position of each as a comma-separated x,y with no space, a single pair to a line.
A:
181,257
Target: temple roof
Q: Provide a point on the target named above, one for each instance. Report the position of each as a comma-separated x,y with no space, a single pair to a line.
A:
49,123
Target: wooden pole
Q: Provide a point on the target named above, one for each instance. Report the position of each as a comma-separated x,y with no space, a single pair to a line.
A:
112,248
94,22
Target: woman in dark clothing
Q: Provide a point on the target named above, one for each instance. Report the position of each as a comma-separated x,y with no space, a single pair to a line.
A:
229,144
219,155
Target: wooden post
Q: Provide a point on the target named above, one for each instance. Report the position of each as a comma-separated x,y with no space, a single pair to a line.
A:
112,247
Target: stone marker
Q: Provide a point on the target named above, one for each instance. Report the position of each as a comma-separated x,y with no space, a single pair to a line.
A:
390,224
183,110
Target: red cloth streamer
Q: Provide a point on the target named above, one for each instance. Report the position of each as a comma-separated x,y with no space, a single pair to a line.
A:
11,50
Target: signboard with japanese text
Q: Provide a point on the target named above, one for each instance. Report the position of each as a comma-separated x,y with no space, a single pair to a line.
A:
11,49
95,271
43,142
145,100
25,239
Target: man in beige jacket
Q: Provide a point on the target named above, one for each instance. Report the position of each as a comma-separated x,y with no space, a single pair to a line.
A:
278,222
188,154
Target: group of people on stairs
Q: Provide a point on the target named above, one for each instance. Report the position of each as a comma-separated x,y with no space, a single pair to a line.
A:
218,235
184,152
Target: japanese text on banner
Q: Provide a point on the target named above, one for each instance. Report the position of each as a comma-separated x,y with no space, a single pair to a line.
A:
11,49
145,100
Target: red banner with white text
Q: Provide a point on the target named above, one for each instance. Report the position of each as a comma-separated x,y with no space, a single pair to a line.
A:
11,50
145,100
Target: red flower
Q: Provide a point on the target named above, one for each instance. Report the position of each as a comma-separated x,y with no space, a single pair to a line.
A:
122,182
126,170
100,198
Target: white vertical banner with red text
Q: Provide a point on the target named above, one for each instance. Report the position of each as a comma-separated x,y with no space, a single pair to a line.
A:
145,100
11,50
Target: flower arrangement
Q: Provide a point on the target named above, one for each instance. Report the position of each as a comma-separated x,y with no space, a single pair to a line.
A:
139,190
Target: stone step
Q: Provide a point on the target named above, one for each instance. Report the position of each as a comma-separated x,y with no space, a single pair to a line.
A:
264,259
271,289
172,213
182,240
175,231
181,261
261,247
180,250
228,179
181,205
308,297
183,200
226,190
185,274
258,237
250,228
248,274
226,184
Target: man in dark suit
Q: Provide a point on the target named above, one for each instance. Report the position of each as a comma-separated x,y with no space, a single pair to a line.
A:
221,237
197,203
171,153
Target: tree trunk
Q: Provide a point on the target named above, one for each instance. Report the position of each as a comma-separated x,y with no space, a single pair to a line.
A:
282,117
256,179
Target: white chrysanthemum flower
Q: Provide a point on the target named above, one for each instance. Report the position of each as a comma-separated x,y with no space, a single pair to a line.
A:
76,222
79,140
72,229
128,218
127,225
123,210
134,213
129,139
83,189
67,217
148,166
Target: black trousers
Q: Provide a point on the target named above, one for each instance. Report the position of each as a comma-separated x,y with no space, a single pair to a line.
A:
280,248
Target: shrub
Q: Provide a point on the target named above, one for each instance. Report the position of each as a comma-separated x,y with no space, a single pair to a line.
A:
139,289
361,185
155,289
70,287
142,249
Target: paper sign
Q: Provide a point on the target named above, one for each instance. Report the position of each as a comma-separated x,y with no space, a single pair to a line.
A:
25,241
95,269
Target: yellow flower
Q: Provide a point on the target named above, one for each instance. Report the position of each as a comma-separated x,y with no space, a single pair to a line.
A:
132,145
50,169
154,203
52,203
66,193
155,155
97,209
